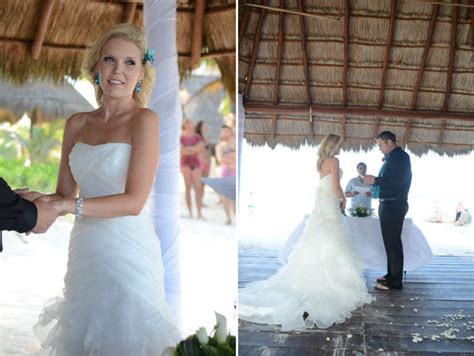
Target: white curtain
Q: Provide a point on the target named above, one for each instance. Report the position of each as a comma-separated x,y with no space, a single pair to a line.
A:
160,27
240,131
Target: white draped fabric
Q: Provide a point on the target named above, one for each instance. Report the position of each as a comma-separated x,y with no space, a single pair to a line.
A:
367,241
160,27
240,130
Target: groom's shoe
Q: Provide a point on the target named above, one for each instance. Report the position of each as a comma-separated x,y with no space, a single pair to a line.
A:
382,278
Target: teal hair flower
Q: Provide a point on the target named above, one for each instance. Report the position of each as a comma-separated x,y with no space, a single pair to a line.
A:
149,56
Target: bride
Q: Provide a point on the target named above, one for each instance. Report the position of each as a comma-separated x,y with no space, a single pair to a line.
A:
323,280
113,299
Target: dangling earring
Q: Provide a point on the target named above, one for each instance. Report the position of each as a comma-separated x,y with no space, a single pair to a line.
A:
139,86
97,78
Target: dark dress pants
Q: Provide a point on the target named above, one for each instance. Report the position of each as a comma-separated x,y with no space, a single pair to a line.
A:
392,214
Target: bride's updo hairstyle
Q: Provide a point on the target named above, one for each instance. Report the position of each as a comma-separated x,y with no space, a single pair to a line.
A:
130,33
329,146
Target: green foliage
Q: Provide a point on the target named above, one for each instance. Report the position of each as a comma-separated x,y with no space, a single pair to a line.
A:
224,107
30,158
39,143
40,176
361,211
192,347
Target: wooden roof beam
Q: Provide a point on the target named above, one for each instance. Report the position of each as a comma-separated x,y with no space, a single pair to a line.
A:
357,138
356,111
244,23
406,134
347,16
198,24
305,52
281,19
25,43
343,127
376,127
424,57
441,133
129,12
471,13
274,125
452,53
46,10
256,43
391,31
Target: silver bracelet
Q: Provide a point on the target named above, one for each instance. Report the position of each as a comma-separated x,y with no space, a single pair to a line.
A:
79,206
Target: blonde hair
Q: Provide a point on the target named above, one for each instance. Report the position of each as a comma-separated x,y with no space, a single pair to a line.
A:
130,33
328,148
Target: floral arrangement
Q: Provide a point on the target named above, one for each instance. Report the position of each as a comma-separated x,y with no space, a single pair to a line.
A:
201,344
361,211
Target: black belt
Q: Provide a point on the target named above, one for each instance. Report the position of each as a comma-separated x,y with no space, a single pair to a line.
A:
391,199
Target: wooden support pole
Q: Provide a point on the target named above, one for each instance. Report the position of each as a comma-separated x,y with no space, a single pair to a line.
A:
129,12
198,24
46,10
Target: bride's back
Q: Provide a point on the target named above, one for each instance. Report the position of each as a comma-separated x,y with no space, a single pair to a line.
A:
328,166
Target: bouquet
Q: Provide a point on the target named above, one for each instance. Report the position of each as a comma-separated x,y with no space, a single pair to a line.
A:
361,211
201,344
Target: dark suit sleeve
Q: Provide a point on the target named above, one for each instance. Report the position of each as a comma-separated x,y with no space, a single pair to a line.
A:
16,213
396,173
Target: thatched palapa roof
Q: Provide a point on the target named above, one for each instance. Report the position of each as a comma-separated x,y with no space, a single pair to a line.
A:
46,39
42,100
404,66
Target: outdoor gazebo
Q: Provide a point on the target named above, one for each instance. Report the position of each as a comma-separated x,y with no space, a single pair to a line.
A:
357,68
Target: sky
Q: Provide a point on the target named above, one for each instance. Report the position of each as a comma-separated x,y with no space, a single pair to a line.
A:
278,186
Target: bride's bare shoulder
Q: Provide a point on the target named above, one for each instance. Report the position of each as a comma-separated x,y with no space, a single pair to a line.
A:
331,161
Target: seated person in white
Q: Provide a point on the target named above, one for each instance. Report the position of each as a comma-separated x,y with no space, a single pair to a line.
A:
359,191
465,218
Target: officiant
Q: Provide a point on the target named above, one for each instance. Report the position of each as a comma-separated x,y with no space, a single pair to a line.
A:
359,191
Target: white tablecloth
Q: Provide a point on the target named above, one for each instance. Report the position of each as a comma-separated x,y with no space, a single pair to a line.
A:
368,243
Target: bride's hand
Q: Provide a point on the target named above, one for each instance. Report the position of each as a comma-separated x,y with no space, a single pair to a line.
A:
342,203
64,205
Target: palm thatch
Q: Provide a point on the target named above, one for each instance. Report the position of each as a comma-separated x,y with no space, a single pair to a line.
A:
205,95
41,100
403,66
58,32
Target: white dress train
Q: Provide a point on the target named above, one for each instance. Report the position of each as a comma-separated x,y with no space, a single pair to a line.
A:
113,300
323,276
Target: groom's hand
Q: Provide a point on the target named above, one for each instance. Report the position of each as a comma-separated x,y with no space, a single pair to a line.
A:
369,179
31,196
47,215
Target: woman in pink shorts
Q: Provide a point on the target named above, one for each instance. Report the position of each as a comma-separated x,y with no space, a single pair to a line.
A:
191,168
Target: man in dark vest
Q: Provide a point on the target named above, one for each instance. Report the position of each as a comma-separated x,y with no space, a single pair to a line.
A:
393,184
22,215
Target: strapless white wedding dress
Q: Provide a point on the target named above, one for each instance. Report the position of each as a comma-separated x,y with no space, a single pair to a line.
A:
323,276
113,300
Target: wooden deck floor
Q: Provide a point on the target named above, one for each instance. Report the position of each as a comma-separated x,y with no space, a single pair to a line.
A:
434,299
